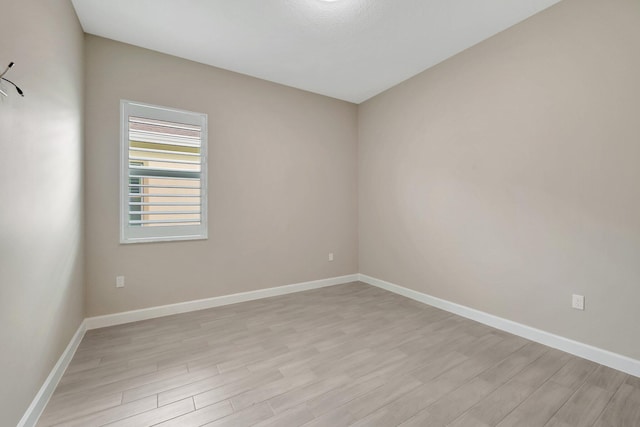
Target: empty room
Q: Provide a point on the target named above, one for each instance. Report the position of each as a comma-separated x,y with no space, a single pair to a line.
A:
320,213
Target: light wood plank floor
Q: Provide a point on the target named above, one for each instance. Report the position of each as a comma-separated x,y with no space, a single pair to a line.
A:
344,355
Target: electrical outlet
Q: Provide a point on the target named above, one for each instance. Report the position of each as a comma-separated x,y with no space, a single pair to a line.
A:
577,302
330,256
119,281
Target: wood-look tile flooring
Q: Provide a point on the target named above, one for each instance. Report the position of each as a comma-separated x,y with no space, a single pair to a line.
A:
344,355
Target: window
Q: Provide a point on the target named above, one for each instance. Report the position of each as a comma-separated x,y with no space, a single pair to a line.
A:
163,174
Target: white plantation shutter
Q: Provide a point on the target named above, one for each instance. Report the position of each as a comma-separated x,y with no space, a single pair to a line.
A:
163,174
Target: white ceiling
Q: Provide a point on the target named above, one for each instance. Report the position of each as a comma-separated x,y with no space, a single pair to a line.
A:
346,49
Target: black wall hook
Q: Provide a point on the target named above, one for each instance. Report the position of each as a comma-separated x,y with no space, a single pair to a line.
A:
20,92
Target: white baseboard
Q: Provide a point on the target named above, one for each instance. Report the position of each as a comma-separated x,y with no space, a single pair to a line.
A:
30,417
183,307
586,351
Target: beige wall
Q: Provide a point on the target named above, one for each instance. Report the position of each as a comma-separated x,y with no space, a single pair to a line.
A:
507,178
41,291
282,183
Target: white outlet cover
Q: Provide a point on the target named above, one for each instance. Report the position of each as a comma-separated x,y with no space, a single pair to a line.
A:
577,302
119,281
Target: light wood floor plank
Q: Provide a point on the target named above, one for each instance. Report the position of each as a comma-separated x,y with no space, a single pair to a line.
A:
624,408
337,356
235,388
201,416
248,417
114,413
156,416
296,416
57,413
200,386
164,384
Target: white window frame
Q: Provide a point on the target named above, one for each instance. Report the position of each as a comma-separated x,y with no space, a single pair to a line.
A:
129,234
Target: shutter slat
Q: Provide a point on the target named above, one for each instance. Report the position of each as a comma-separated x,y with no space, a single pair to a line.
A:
184,187
166,221
181,178
170,173
162,204
138,136
152,122
161,160
165,213
151,150
147,195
